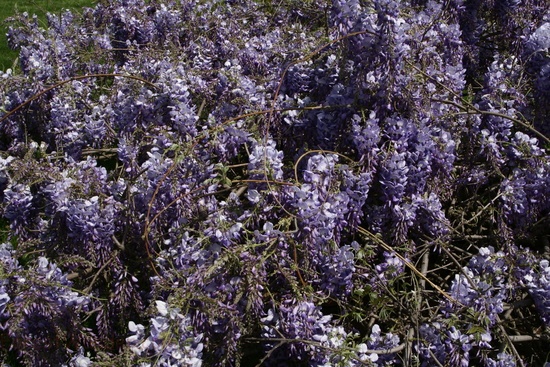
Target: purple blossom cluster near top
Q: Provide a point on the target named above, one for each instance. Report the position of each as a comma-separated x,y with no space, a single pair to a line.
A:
292,183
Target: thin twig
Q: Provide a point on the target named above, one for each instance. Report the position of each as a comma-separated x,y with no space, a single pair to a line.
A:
523,338
407,263
99,271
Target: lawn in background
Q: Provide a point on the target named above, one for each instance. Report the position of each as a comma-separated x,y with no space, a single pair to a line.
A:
39,7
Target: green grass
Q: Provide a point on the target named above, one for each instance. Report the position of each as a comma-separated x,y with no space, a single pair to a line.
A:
39,7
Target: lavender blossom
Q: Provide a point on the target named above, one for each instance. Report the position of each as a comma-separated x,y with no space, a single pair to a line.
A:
170,342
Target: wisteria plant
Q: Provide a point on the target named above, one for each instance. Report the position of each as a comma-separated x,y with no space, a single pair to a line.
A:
290,183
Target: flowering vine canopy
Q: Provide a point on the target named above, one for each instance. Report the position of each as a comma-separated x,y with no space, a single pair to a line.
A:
290,183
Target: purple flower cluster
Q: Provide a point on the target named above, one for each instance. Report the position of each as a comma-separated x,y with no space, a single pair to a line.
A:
533,275
38,308
446,345
327,204
316,339
169,341
481,286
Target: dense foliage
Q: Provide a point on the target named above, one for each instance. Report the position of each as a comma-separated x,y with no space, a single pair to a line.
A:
257,183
